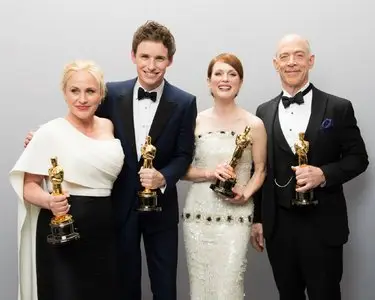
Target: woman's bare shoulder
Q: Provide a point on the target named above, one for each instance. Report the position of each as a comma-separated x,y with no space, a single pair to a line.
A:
104,124
253,121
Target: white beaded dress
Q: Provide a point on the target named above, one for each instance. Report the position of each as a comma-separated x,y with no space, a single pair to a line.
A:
217,232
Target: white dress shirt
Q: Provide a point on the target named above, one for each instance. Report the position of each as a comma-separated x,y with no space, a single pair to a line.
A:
295,118
143,113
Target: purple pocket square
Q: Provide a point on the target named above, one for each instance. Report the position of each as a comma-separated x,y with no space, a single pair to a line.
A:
326,124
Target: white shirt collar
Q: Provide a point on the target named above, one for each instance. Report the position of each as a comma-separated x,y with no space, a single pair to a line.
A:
158,90
285,93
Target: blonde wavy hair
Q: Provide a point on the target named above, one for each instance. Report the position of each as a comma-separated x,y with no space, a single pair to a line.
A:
84,65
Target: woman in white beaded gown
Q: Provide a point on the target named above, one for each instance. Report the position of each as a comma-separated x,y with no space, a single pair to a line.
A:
216,228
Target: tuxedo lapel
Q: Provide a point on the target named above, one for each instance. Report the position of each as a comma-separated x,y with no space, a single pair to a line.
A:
279,135
269,118
318,108
128,121
163,112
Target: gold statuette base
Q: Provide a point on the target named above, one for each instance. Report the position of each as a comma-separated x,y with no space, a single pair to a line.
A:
62,231
148,201
304,199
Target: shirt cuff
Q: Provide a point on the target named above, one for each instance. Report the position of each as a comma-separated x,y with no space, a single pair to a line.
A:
162,188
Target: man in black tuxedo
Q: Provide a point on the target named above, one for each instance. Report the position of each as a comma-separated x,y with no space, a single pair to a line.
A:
305,243
150,105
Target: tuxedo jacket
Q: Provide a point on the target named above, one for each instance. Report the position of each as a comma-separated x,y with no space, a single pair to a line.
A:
172,133
336,146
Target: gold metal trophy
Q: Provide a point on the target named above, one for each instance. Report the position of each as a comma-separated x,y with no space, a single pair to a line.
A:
62,227
148,199
302,147
225,187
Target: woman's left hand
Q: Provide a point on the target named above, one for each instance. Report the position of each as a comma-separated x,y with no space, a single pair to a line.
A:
239,197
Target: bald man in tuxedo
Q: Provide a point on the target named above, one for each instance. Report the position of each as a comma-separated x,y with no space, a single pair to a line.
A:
305,242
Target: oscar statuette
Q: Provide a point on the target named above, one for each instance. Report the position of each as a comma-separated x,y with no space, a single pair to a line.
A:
225,187
62,227
148,199
302,148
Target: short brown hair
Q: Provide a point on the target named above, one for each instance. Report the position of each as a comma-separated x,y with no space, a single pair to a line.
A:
229,59
155,32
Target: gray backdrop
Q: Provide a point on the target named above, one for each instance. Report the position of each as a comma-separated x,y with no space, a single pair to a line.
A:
39,36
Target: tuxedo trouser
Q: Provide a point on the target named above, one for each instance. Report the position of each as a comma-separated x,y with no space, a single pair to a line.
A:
161,248
300,259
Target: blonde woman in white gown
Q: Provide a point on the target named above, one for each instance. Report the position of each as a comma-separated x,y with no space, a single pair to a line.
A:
217,229
92,159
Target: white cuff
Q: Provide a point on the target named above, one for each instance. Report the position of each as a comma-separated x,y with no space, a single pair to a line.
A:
162,188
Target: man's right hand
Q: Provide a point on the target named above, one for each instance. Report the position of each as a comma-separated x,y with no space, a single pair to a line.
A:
256,237
28,138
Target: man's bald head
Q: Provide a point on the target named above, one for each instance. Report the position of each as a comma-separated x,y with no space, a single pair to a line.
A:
293,38
293,61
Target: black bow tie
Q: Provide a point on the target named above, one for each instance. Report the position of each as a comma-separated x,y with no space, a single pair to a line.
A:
298,98
142,94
